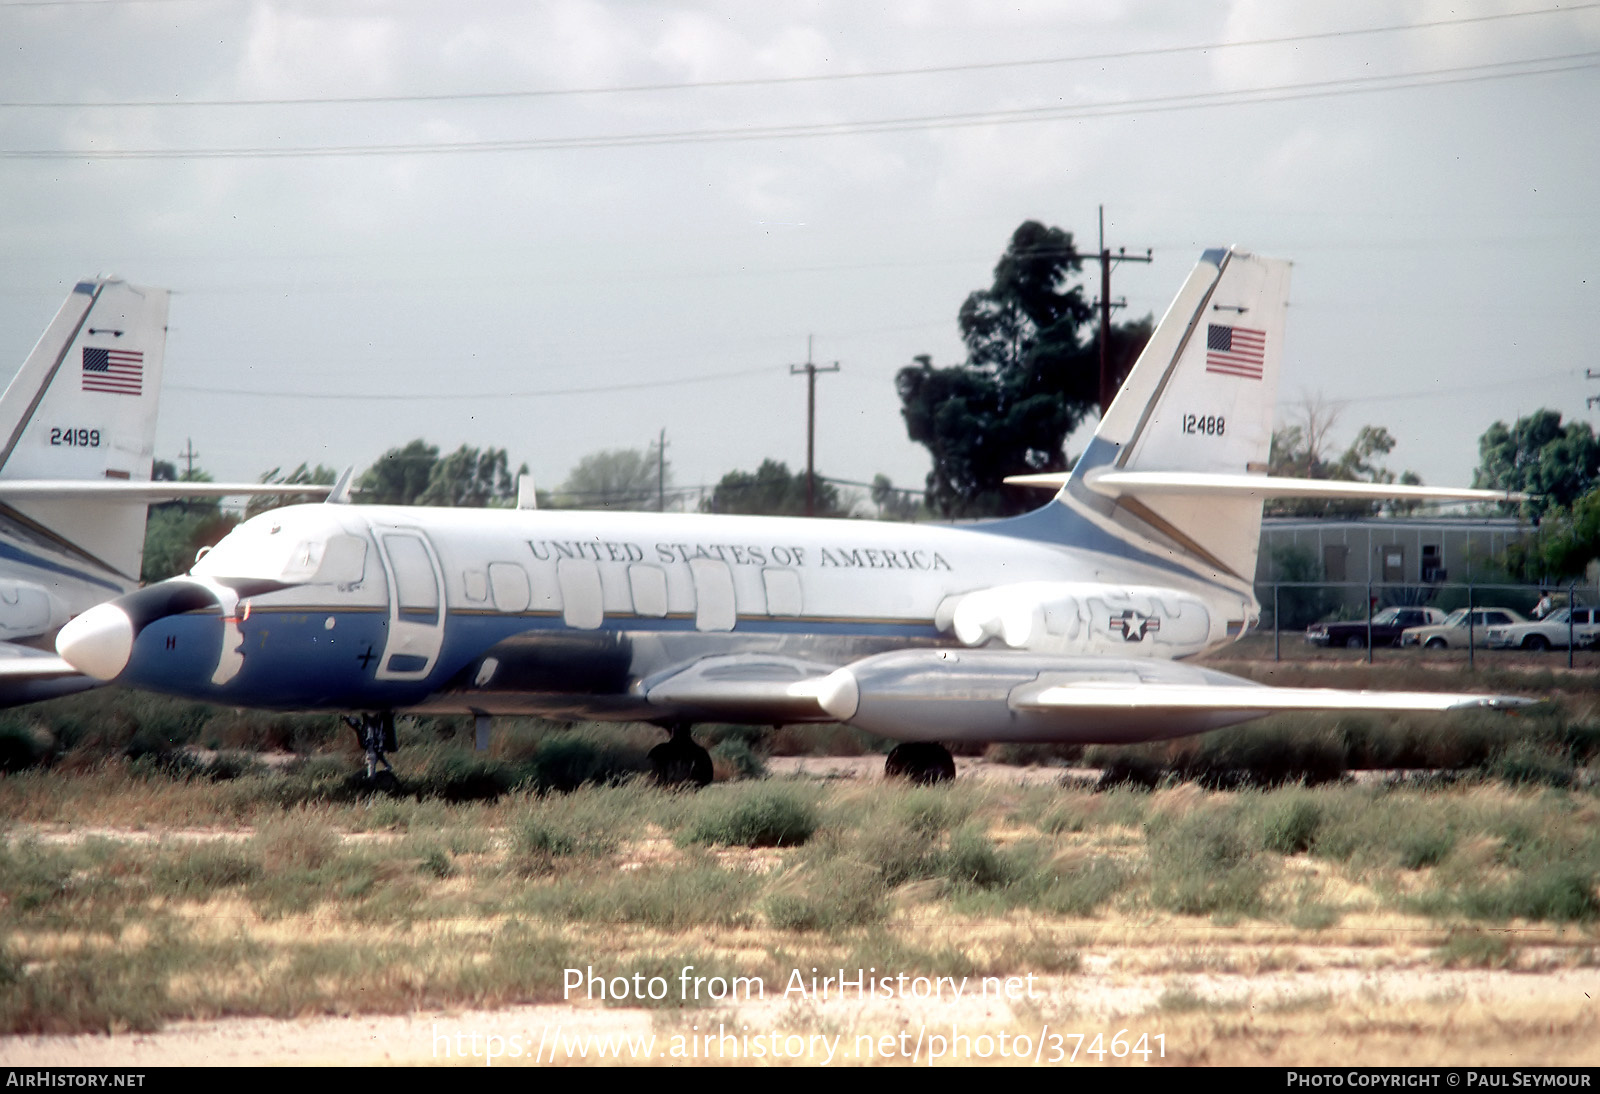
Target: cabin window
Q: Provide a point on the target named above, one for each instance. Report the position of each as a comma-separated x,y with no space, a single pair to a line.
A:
581,597
783,591
713,594
509,583
475,583
649,585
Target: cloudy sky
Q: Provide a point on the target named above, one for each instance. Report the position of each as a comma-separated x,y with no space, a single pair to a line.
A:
562,227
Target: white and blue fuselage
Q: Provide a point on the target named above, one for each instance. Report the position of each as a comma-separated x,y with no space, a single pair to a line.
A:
567,613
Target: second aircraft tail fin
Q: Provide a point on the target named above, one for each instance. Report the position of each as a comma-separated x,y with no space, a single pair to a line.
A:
83,408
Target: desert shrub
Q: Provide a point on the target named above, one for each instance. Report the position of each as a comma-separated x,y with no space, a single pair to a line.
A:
833,895
1202,864
1290,824
762,816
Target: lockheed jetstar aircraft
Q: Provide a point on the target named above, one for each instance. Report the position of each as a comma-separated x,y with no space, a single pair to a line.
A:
1067,624
77,433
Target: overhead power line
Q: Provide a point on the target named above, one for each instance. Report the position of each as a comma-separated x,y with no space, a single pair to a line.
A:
438,396
766,81
1499,70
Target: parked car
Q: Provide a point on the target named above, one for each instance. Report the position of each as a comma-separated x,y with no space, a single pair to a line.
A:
1580,624
1386,628
1453,633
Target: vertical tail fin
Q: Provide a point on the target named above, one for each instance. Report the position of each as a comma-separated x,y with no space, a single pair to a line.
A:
83,407
1199,399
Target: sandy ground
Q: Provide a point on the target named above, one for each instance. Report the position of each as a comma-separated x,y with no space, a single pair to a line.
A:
1098,1000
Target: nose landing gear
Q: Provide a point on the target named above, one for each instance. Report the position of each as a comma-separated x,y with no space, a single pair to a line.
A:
375,735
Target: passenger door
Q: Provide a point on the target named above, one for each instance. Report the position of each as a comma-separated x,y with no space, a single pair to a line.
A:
416,604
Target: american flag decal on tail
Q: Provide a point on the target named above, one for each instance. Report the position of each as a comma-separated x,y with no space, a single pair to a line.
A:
117,371
1236,351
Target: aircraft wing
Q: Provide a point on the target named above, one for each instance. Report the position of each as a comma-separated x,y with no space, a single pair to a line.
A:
1003,695
124,490
28,675
1201,484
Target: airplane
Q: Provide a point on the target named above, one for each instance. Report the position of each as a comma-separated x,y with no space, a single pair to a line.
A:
1069,623
77,434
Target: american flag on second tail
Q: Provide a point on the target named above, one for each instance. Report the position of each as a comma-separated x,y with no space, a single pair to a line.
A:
117,371
1236,351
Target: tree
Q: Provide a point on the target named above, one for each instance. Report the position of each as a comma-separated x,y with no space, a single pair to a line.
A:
319,476
773,491
1300,451
1539,455
617,478
472,479
1567,541
175,531
400,475
1030,378
415,475
893,503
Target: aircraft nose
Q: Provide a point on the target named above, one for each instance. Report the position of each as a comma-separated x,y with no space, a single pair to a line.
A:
99,642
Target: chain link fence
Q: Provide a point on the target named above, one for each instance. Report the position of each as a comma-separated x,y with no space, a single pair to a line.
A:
1366,615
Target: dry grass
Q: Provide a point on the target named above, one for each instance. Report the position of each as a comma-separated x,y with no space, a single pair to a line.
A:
1189,903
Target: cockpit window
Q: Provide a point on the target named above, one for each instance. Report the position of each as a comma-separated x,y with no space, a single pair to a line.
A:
269,548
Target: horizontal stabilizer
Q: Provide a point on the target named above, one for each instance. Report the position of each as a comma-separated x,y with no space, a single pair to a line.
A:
1158,697
1204,484
125,490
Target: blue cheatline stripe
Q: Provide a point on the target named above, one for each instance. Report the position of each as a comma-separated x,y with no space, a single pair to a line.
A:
16,554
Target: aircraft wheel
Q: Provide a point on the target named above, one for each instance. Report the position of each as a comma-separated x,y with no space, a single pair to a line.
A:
680,762
920,762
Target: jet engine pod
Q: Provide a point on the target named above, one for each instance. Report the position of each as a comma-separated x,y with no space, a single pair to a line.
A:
27,610
936,694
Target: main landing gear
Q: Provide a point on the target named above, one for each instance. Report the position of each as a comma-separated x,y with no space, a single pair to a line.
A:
679,761
920,762
375,735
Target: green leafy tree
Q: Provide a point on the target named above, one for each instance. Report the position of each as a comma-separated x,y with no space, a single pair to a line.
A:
400,476
317,476
617,478
1030,378
1302,606
892,502
472,479
175,531
773,491
1301,451
1567,541
1539,455
416,475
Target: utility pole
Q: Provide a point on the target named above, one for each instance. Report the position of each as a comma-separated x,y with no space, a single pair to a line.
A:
1106,258
811,369
190,455
1591,374
661,472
